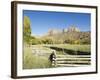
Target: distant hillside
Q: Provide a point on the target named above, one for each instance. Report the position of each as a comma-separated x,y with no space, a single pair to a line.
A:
56,31
71,35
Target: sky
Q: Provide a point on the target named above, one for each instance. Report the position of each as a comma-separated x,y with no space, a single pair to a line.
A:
42,21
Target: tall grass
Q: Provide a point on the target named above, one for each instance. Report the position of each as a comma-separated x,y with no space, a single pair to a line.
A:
74,47
33,61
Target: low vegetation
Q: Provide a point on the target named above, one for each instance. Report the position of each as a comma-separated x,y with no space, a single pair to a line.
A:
34,60
83,48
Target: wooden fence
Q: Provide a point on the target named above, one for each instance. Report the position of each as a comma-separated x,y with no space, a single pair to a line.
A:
70,60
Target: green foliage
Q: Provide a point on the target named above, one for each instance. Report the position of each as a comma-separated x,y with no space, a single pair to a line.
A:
47,41
85,41
34,41
77,42
27,30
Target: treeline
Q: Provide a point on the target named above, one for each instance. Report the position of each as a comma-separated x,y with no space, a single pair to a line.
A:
35,41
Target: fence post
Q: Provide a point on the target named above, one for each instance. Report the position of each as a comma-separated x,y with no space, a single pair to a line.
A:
54,58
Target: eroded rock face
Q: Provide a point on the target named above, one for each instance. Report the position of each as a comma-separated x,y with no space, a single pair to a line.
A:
57,31
73,29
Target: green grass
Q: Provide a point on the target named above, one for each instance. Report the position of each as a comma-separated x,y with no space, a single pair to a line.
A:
83,48
32,61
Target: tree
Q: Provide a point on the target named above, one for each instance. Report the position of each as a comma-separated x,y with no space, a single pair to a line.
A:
27,30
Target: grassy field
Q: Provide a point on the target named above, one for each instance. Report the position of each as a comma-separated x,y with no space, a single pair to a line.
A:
34,60
83,48
37,56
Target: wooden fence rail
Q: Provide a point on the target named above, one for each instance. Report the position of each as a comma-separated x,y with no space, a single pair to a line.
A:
70,60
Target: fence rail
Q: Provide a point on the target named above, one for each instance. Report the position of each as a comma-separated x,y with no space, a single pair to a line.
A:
70,60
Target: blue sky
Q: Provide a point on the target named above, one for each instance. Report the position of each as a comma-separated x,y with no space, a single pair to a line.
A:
42,21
